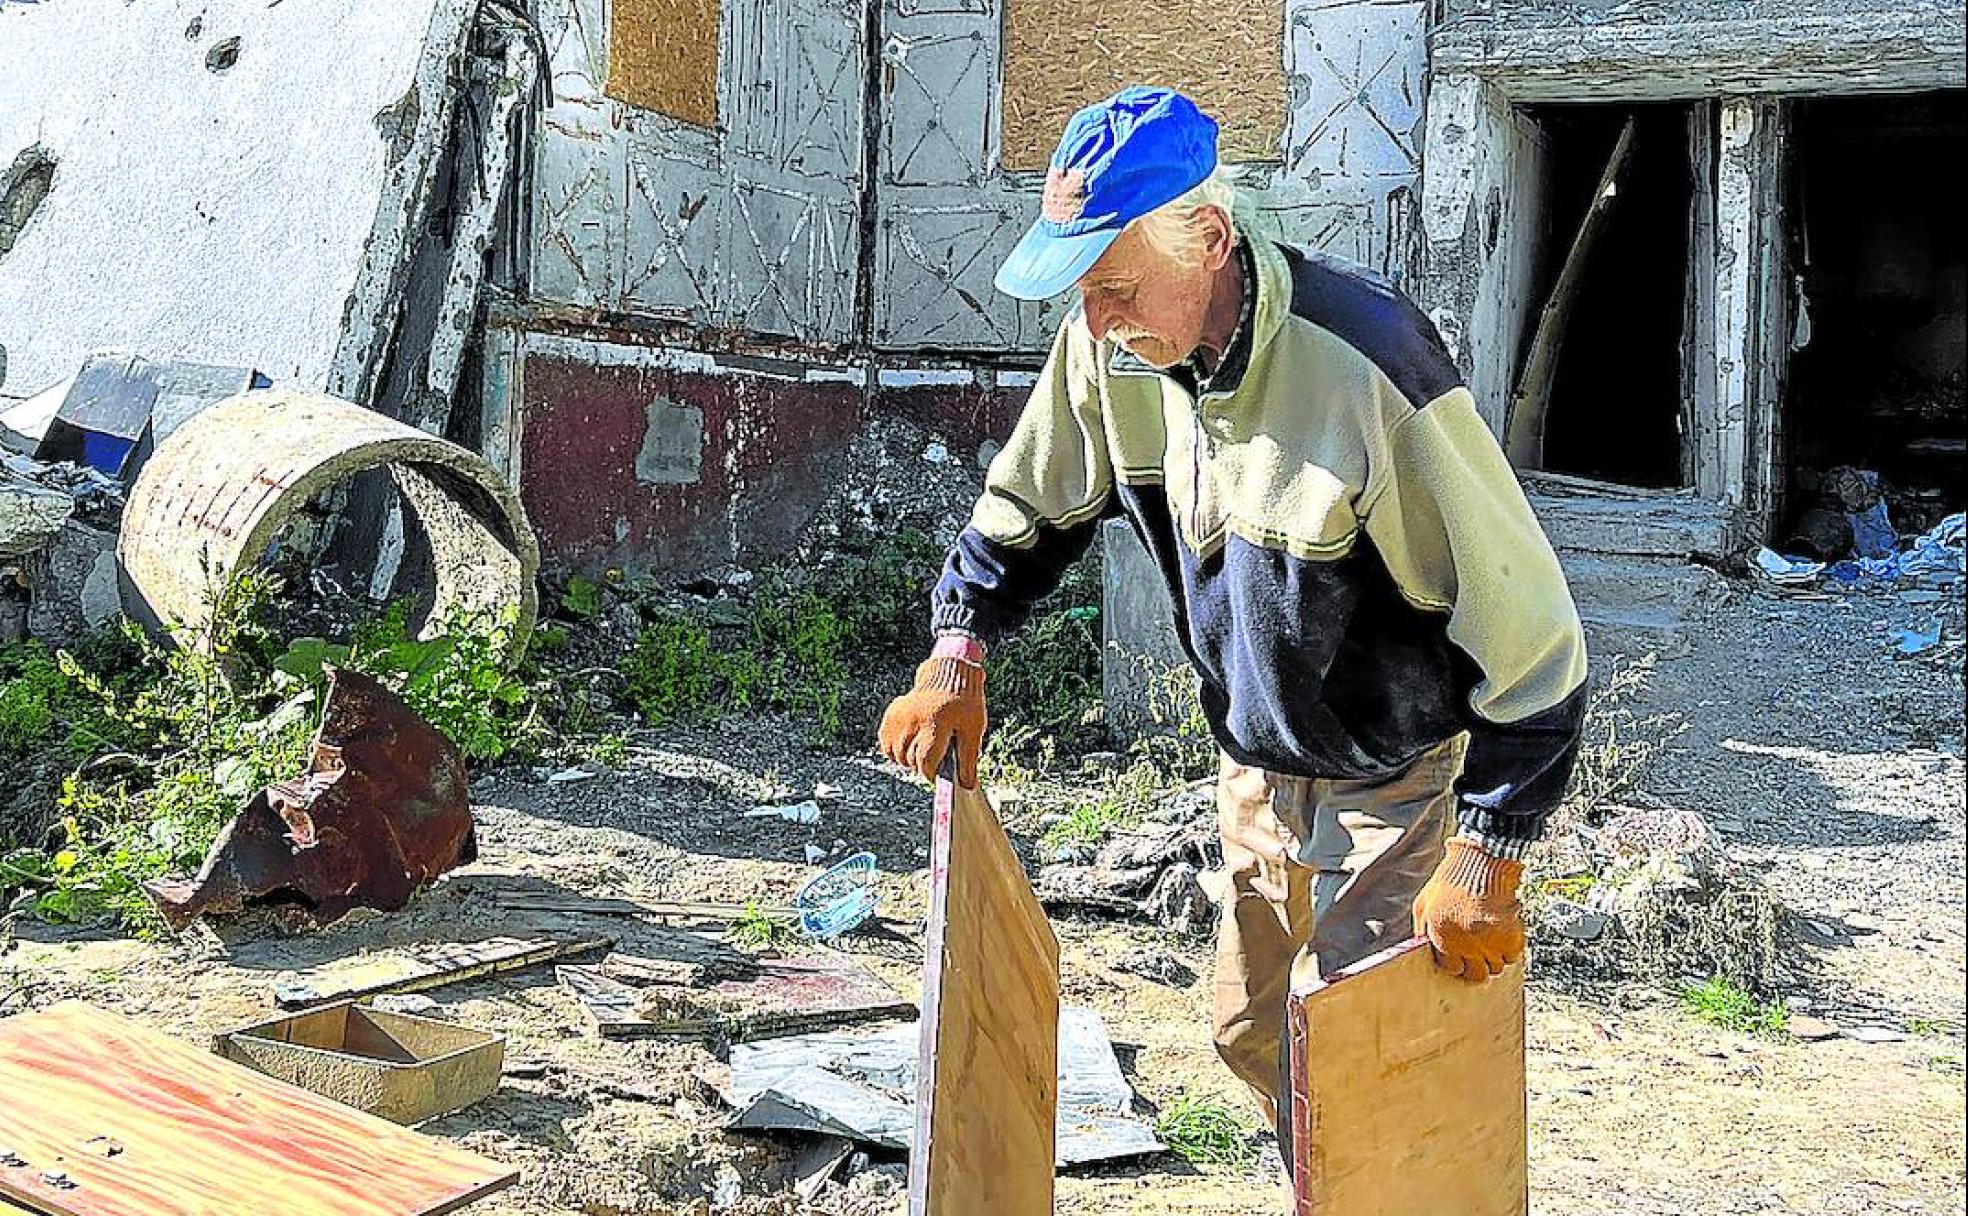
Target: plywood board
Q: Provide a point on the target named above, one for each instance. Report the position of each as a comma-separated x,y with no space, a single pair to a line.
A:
987,1082
142,1124
663,56
1408,1091
1227,56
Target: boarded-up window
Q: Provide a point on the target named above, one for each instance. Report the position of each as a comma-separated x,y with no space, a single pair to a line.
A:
663,56
1227,55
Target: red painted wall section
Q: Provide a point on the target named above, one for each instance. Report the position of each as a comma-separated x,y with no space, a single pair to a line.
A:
654,468
966,415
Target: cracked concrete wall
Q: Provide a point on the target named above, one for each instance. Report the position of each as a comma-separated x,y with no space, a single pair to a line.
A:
757,225
1483,230
233,180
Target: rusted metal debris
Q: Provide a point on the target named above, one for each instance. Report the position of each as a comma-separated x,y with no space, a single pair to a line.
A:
381,811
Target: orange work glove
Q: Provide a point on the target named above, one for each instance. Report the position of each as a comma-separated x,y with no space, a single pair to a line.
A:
945,708
1470,914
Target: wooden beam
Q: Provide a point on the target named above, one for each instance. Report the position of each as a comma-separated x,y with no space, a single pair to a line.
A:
136,1123
1801,50
1407,1091
987,1084
1531,405
428,966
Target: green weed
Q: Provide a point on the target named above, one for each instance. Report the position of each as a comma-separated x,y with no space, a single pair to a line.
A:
612,750
183,734
1574,887
1204,1132
1719,1002
755,930
583,598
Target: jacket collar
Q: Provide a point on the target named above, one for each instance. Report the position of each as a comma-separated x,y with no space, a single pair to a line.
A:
1267,298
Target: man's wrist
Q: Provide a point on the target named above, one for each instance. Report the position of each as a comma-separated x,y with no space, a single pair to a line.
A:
1503,848
952,644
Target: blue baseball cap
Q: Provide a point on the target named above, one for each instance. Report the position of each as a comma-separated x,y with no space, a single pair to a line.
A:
1118,160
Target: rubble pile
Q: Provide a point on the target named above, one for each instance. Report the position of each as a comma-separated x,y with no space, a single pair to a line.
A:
1154,871
1657,898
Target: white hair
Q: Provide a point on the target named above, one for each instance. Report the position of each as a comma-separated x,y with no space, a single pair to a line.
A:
1172,227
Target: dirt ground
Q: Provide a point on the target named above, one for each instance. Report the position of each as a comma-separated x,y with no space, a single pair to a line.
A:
1828,763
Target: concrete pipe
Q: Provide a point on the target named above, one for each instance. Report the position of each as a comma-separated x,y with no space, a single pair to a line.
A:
222,486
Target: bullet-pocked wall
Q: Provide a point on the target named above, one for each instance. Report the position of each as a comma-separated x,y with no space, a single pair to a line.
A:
829,195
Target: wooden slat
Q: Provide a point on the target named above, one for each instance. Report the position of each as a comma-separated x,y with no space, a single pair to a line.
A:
146,1125
782,996
987,1085
432,965
1408,1091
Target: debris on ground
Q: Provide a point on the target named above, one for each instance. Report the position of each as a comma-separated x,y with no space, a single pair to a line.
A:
219,465
626,999
838,900
1935,560
862,1087
1660,898
433,965
383,809
1160,966
119,407
104,1115
1153,871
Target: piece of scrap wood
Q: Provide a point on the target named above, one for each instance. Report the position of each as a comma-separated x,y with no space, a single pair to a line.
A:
529,901
136,1123
782,996
684,959
428,966
987,1081
1408,1090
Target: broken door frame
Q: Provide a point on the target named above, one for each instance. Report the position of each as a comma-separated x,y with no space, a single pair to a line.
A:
1484,66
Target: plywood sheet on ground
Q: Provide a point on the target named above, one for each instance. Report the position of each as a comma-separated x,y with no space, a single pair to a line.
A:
987,1084
1226,55
142,1124
663,56
1408,1091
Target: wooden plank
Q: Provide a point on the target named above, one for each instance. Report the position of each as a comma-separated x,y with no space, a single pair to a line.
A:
1634,55
1532,403
987,1082
145,1125
781,996
1408,1091
428,966
528,901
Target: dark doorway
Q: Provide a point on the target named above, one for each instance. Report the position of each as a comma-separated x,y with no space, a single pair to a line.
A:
1614,400
1882,304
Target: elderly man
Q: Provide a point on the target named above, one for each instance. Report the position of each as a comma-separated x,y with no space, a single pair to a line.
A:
1388,654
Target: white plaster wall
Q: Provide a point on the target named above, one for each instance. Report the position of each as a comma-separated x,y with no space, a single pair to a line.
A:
220,217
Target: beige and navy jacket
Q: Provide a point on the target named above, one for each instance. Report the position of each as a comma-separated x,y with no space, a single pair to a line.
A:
1355,572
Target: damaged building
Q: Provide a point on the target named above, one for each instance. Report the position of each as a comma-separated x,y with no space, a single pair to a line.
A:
664,264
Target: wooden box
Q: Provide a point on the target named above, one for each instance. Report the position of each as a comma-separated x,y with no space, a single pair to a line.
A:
405,1069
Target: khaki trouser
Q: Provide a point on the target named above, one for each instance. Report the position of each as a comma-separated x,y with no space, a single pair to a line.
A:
1320,875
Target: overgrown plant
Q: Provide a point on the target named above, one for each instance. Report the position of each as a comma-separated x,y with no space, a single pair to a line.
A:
176,736
1616,744
1721,1002
1205,1132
